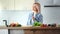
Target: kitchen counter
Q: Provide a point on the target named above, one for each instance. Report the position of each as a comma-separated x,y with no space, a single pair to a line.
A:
37,27
32,30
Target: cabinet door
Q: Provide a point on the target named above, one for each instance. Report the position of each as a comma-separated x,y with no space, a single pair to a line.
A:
56,2
7,4
16,4
45,2
16,32
10,5
23,4
3,4
3,31
28,32
37,32
51,15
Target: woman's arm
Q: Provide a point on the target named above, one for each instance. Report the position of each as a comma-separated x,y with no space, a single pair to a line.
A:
29,22
39,18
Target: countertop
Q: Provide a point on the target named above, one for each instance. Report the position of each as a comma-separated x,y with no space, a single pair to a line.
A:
37,27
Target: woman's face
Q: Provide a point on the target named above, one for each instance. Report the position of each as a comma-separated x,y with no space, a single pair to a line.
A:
36,8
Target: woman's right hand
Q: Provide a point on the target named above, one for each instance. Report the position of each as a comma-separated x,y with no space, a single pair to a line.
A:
33,18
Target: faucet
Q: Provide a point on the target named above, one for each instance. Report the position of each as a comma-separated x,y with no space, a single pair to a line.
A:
5,22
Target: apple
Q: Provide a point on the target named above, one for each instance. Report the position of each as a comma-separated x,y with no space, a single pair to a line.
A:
43,25
12,25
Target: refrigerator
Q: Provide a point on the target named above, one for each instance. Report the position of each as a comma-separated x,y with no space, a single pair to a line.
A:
50,10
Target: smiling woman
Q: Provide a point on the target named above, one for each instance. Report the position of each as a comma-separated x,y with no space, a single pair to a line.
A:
35,15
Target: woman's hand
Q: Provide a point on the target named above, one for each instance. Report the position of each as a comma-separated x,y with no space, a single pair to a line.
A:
33,18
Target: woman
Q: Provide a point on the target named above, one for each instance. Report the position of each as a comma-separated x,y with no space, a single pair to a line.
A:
35,15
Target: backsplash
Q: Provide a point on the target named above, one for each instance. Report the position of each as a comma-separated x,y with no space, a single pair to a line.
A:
20,16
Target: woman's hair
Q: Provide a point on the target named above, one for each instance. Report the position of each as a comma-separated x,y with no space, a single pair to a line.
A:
37,3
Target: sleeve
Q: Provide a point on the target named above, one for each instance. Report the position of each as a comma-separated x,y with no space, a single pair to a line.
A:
29,19
39,18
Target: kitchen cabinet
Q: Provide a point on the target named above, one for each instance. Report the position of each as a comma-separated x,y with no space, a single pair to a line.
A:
10,5
42,31
3,31
31,32
37,32
7,4
28,32
23,4
56,2
17,31
51,15
16,4
45,2
49,2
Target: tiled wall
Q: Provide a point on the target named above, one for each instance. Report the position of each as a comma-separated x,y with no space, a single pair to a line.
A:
20,16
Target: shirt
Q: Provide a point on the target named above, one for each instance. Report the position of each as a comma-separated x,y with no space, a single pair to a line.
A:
38,17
